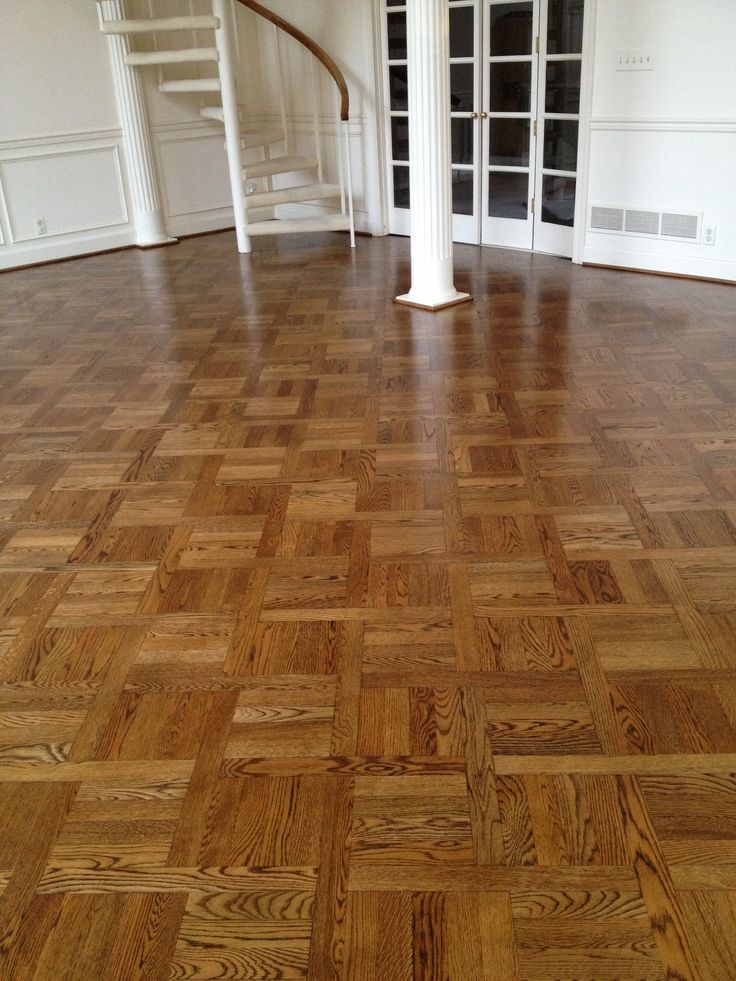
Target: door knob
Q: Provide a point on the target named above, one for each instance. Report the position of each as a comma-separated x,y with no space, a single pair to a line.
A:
474,115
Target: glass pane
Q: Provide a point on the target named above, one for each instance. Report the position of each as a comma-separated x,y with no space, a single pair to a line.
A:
396,35
563,87
461,88
462,141
462,192
511,29
401,187
511,86
560,144
565,27
395,3
510,142
398,83
558,200
400,137
462,35
508,196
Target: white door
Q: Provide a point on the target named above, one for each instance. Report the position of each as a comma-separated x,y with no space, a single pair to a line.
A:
515,69
558,123
511,68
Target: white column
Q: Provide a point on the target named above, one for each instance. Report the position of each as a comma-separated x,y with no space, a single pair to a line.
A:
150,226
430,187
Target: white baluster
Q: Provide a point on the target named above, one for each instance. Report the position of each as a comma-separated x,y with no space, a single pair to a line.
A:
315,117
349,169
282,97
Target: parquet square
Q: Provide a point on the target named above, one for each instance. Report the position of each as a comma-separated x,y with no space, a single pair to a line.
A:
255,935
394,820
156,725
520,583
284,719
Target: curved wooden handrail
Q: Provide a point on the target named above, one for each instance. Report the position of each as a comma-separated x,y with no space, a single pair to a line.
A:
316,50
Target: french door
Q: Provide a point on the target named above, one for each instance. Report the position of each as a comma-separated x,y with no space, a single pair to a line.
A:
515,71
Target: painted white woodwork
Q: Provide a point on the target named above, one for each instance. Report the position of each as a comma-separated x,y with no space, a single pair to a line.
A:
148,215
432,274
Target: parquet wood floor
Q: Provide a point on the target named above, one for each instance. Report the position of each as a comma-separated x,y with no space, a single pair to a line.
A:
347,641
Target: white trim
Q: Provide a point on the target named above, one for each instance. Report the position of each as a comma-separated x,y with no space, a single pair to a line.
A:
582,187
79,136
14,238
377,129
691,125
48,250
657,262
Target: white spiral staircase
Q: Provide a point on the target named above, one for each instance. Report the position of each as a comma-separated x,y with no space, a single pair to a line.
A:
280,177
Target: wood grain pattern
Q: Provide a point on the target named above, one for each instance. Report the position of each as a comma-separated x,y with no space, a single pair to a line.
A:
345,641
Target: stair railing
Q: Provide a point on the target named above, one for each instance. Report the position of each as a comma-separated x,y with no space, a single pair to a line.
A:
343,152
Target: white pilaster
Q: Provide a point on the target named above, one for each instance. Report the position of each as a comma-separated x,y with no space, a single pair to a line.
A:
150,225
432,280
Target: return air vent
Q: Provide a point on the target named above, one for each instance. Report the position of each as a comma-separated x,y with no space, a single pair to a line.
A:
671,225
607,219
680,226
642,222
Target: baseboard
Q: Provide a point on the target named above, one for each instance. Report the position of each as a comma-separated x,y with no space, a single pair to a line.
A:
54,250
690,267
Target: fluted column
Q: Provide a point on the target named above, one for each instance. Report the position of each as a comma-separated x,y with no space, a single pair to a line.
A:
150,225
432,279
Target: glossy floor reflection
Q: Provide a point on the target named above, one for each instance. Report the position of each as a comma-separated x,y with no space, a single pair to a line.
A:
344,640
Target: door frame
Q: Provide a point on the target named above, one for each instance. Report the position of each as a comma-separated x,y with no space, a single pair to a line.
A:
582,191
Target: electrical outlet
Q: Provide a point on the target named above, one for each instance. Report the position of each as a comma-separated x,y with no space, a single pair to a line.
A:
41,228
709,235
635,61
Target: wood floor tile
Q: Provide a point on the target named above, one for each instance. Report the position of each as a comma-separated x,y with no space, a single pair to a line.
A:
349,642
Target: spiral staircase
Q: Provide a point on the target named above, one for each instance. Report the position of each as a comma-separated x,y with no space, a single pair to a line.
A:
207,45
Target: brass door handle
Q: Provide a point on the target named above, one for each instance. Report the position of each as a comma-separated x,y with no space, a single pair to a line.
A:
474,115
484,115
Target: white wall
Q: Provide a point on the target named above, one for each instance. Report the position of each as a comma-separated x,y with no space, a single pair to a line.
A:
665,140
60,146
61,150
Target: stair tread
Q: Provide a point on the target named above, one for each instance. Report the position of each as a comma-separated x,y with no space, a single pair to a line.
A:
190,85
278,165
178,56
291,226
292,195
204,22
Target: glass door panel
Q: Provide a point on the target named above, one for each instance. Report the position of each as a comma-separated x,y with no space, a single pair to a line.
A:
464,103
560,54
465,98
509,108
397,127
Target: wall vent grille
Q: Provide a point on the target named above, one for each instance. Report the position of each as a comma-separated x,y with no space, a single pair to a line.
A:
671,225
642,222
609,219
680,226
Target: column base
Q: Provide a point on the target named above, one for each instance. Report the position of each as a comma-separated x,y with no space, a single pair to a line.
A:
408,300
158,244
